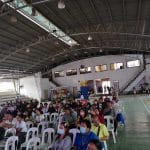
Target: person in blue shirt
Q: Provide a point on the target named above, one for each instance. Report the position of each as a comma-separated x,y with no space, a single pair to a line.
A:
85,136
94,145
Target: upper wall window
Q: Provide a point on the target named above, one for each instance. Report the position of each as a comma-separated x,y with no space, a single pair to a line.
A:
71,72
59,74
116,66
101,68
134,63
85,70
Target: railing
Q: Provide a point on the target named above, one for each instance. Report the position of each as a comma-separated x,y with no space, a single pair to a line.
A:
131,81
55,83
8,98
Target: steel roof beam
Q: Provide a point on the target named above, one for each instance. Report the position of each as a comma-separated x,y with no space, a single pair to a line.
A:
37,41
115,33
110,12
86,19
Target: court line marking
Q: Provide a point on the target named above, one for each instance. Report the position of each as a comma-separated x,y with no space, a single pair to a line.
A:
145,106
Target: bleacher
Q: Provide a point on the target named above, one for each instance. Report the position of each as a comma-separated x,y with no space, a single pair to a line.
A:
11,96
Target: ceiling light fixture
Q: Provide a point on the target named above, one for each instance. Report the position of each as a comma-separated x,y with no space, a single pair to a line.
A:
40,20
56,43
27,50
70,42
90,38
100,50
61,4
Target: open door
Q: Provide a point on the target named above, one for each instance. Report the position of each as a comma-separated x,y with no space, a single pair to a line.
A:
106,85
45,94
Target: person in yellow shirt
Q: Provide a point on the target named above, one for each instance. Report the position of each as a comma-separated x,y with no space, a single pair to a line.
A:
99,129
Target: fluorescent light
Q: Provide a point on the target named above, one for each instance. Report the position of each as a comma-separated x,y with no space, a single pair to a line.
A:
61,4
27,50
89,38
100,50
41,21
70,42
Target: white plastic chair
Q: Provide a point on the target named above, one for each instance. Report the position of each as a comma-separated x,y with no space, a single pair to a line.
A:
60,117
41,126
10,130
33,143
29,124
110,126
11,143
105,145
47,117
74,133
32,132
54,118
49,140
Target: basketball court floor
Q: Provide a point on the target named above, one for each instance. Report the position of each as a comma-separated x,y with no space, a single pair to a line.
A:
136,134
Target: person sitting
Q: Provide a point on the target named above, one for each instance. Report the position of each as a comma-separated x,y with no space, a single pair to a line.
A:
39,116
70,117
40,107
99,129
82,116
94,145
7,122
85,135
45,108
110,111
51,109
20,124
21,129
63,140
27,116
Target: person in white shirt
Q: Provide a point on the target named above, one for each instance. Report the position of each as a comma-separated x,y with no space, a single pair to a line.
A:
21,129
45,108
20,125
39,116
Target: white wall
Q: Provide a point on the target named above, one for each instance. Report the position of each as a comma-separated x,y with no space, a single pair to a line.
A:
34,86
45,85
148,68
30,87
148,73
7,86
123,76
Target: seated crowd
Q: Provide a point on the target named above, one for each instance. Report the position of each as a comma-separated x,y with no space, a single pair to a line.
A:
87,117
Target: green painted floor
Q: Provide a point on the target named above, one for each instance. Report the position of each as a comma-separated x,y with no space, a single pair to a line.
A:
136,134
